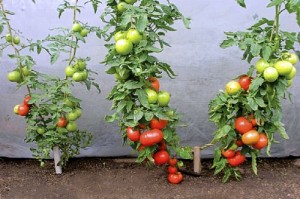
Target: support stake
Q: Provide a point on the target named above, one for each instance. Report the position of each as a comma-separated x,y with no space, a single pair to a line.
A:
197,159
58,169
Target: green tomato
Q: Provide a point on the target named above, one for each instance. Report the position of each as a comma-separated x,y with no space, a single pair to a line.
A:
130,1
290,82
163,98
78,112
61,130
232,87
134,36
151,96
124,46
283,67
14,76
26,71
84,75
119,35
291,57
120,6
40,130
122,74
71,126
17,40
270,74
261,65
70,70
69,103
80,65
292,74
84,32
77,77
72,116
8,38
76,27
234,146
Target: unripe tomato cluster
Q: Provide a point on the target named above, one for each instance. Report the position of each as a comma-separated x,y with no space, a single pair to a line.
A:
12,39
19,74
284,67
77,71
23,109
77,28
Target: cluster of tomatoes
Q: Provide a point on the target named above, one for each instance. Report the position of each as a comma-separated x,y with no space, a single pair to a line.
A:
77,71
23,109
285,67
69,120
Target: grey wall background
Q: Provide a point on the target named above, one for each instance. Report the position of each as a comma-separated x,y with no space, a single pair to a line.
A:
202,67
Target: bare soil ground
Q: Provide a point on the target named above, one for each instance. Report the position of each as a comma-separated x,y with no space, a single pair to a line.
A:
121,178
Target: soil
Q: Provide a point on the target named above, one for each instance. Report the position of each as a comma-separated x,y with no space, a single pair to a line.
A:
90,178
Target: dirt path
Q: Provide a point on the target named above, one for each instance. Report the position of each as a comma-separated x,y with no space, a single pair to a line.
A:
109,178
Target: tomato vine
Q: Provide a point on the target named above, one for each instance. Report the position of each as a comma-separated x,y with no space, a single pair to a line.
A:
50,108
248,118
141,107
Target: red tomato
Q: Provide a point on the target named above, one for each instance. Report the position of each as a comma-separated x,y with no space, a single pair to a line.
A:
242,125
158,124
175,178
23,110
251,137
173,162
172,169
228,153
262,141
161,157
133,135
239,143
154,83
26,100
162,145
237,159
62,122
245,82
151,137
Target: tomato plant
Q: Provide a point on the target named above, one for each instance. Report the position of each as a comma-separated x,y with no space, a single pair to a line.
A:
251,119
50,108
134,32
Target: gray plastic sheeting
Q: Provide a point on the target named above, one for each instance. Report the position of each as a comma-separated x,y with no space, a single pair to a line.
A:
203,68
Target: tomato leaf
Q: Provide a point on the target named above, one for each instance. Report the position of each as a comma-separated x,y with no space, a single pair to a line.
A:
142,22
241,3
131,85
142,96
275,3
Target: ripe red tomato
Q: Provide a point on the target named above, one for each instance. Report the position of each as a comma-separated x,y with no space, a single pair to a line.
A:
23,110
239,143
242,125
251,137
172,161
162,145
262,141
245,82
158,124
26,100
62,122
172,169
228,153
237,159
151,137
154,83
161,157
133,135
175,178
